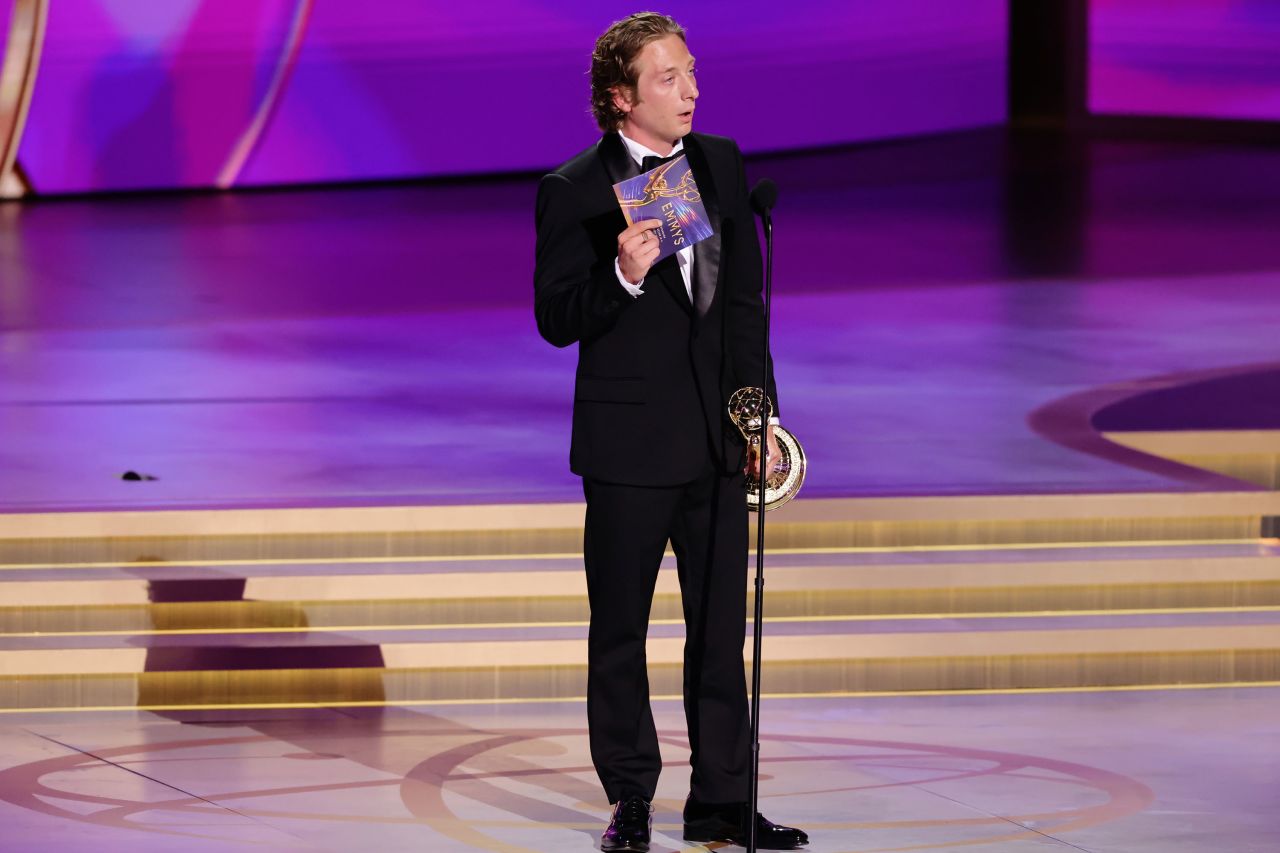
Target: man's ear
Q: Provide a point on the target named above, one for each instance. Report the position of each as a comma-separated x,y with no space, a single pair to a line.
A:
622,98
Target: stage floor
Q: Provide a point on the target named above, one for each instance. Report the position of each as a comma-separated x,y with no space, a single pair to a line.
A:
1102,772
376,345
955,316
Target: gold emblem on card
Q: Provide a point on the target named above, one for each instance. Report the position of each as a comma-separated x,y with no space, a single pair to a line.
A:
658,187
750,409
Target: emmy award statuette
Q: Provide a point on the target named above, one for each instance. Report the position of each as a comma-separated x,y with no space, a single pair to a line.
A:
750,409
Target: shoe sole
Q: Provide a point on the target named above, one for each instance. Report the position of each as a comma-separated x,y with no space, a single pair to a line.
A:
712,839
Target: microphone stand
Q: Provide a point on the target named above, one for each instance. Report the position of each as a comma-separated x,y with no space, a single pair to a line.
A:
766,217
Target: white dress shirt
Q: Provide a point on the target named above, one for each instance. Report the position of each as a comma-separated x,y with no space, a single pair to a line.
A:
684,257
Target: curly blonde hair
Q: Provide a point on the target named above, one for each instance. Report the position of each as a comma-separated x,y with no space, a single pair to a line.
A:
613,61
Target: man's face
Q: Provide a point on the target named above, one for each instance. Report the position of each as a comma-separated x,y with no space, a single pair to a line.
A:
661,110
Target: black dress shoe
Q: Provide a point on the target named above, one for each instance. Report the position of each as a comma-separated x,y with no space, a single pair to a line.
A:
630,825
728,822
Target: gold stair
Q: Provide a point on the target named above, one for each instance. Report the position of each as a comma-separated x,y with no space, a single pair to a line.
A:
863,596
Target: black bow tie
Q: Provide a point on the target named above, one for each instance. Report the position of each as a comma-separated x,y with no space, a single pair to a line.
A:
653,162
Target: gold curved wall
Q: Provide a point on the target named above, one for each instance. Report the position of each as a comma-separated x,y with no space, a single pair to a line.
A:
17,81
248,140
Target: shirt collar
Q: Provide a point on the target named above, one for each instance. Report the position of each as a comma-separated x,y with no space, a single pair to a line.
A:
638,152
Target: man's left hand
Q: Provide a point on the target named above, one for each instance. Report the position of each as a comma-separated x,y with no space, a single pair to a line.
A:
771,460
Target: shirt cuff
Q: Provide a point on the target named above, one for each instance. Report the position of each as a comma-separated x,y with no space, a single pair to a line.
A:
774,422
633,289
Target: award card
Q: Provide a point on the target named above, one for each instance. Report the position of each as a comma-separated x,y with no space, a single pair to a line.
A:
669,194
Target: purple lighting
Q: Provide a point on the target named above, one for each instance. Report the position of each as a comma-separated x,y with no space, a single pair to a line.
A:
190,93
1195,58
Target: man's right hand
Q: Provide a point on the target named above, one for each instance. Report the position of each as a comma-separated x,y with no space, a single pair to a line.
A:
637,249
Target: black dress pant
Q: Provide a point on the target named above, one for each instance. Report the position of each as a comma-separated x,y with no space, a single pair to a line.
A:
627,530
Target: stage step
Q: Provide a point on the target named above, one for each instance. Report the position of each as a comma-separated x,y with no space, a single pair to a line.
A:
96,538
486,664
309,596
495,613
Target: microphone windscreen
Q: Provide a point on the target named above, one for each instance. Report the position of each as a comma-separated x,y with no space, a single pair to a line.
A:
764,196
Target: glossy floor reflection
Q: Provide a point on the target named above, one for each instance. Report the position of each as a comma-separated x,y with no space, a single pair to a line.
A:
1120,772
344,346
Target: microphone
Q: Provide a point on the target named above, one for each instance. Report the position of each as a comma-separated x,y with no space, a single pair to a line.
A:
763,197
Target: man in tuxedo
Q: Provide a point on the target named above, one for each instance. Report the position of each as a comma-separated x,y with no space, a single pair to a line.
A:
660,349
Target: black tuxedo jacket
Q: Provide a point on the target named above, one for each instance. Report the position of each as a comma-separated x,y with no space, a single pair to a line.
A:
654,377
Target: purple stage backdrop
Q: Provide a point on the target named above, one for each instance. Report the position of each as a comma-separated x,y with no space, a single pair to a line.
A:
1194,58
174,93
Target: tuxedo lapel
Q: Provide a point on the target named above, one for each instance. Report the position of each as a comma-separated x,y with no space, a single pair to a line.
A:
706,254
617,160
619,165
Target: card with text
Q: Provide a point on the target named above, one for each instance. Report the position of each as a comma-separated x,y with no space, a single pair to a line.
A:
669,194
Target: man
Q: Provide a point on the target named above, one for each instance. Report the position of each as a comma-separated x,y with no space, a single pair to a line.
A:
660,349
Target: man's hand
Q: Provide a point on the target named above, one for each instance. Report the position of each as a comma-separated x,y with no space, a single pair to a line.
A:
637,249
772,457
